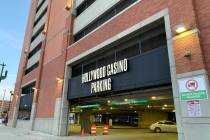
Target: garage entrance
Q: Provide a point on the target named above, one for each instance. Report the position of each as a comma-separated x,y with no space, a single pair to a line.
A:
134,110
126,85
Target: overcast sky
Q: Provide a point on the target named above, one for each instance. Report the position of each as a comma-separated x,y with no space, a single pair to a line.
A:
13,19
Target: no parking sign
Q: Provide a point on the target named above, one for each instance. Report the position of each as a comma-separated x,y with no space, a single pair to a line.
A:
193,88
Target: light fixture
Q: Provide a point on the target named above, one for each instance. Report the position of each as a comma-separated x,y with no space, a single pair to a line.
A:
187,54
163,108
180,28
35,89
108,101
59,80
44,32
135,111
68,4
131,107
153,97
125,100
148,106
26,50
131,102
165,105
111,108
87,106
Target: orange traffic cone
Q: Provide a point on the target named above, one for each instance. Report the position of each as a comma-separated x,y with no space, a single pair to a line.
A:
106,130
93,130
83,132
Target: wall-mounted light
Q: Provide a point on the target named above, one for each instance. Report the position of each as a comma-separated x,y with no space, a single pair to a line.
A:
35,89
180,28
68,4
26,50
45,29
59,80
188,54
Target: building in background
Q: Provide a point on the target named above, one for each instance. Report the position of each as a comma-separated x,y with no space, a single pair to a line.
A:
116,62
4,106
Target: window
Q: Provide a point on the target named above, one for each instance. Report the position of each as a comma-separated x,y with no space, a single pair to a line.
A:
76,70
26,101
153,43
169,123
89,67
40,17
35,50
84,6
40,5
144,40
128,52
104,17
31,68
106,60
37,33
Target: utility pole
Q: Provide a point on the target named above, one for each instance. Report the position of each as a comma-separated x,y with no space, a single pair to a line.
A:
2,77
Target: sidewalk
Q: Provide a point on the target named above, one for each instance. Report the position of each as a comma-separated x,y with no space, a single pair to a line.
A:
8,133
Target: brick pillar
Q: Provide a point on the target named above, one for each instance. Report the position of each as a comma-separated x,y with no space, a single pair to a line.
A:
62,105
13,113
187,62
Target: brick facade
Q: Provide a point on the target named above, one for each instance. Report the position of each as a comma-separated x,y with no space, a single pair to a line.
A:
195,14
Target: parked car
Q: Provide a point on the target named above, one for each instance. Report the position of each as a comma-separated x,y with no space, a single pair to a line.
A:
164,126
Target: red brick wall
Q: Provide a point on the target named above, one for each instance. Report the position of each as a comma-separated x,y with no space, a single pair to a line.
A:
49,87
184,45
59,28
54,60
130,18
180,11
203,18
23,55
5,105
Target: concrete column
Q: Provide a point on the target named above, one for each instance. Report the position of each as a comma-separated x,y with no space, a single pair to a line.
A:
16,110
62,108
85,121
56,116
173,78
189,128
14,118
196,127
32,117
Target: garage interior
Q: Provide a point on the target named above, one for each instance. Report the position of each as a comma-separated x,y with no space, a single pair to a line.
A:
130,110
